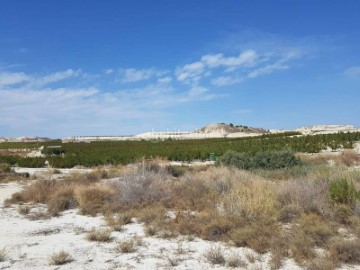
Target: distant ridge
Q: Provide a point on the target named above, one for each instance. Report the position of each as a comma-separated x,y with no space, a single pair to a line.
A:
226,129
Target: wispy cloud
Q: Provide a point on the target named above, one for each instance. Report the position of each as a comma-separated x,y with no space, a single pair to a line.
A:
243,111
226,80
38,106
134,75
353,72
56,76
44,103
10,78
228,70
246,58
190,72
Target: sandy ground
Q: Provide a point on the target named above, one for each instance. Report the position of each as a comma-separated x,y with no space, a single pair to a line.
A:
48,171
30,243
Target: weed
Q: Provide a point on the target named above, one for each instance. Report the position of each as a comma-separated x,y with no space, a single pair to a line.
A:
99,235
24,209
317,228
93,199
174,261
60,258
251,257
235,261
345,251
324,263
3,254
127,246
301,247
62,199
215,254
343,191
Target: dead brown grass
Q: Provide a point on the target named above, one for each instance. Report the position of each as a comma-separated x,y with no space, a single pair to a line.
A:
3,254
94,199
252,200
62,199
345,158
256,236
127,246
37,192
304,195
60,258
317,228
345,251
302,247
99,235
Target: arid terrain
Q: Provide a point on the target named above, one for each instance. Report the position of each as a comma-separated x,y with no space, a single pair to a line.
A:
155,215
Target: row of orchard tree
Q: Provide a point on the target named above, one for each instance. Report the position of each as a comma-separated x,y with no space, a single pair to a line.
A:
124,152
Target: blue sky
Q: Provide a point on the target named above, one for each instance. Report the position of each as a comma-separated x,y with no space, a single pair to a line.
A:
125,67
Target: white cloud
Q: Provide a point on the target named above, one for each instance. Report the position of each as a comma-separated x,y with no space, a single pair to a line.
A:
135,75
37,109
268,69
243,111
197,91
246,58
228,70
226,80
109,71
10,78
190,72
37,82
165,80
353,72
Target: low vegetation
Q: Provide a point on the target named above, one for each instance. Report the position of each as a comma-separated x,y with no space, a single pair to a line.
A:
290,209
215,255
103,235
3,254
124,152
60,258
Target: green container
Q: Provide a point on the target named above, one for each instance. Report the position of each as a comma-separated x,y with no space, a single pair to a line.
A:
212,157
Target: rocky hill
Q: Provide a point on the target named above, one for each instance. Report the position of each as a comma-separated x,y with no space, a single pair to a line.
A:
222,130
327,129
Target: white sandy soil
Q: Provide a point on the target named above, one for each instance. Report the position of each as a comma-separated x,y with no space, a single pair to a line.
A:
30,243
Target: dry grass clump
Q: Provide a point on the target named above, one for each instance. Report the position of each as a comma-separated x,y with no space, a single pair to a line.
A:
37,192
127,246
61,257
235,261
317,228
251,200
85,178
142,186
3,254
94,199
302,247
345,158
256,236
305,196
116,222
279,247
99,235
24,209
349,158
345,251
215,255
354,223
323,263
62,199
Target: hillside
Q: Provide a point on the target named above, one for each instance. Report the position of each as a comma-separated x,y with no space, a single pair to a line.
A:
327,129
222,130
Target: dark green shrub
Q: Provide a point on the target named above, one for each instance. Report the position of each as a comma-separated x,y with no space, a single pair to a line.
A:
261,160
4,167
343,191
